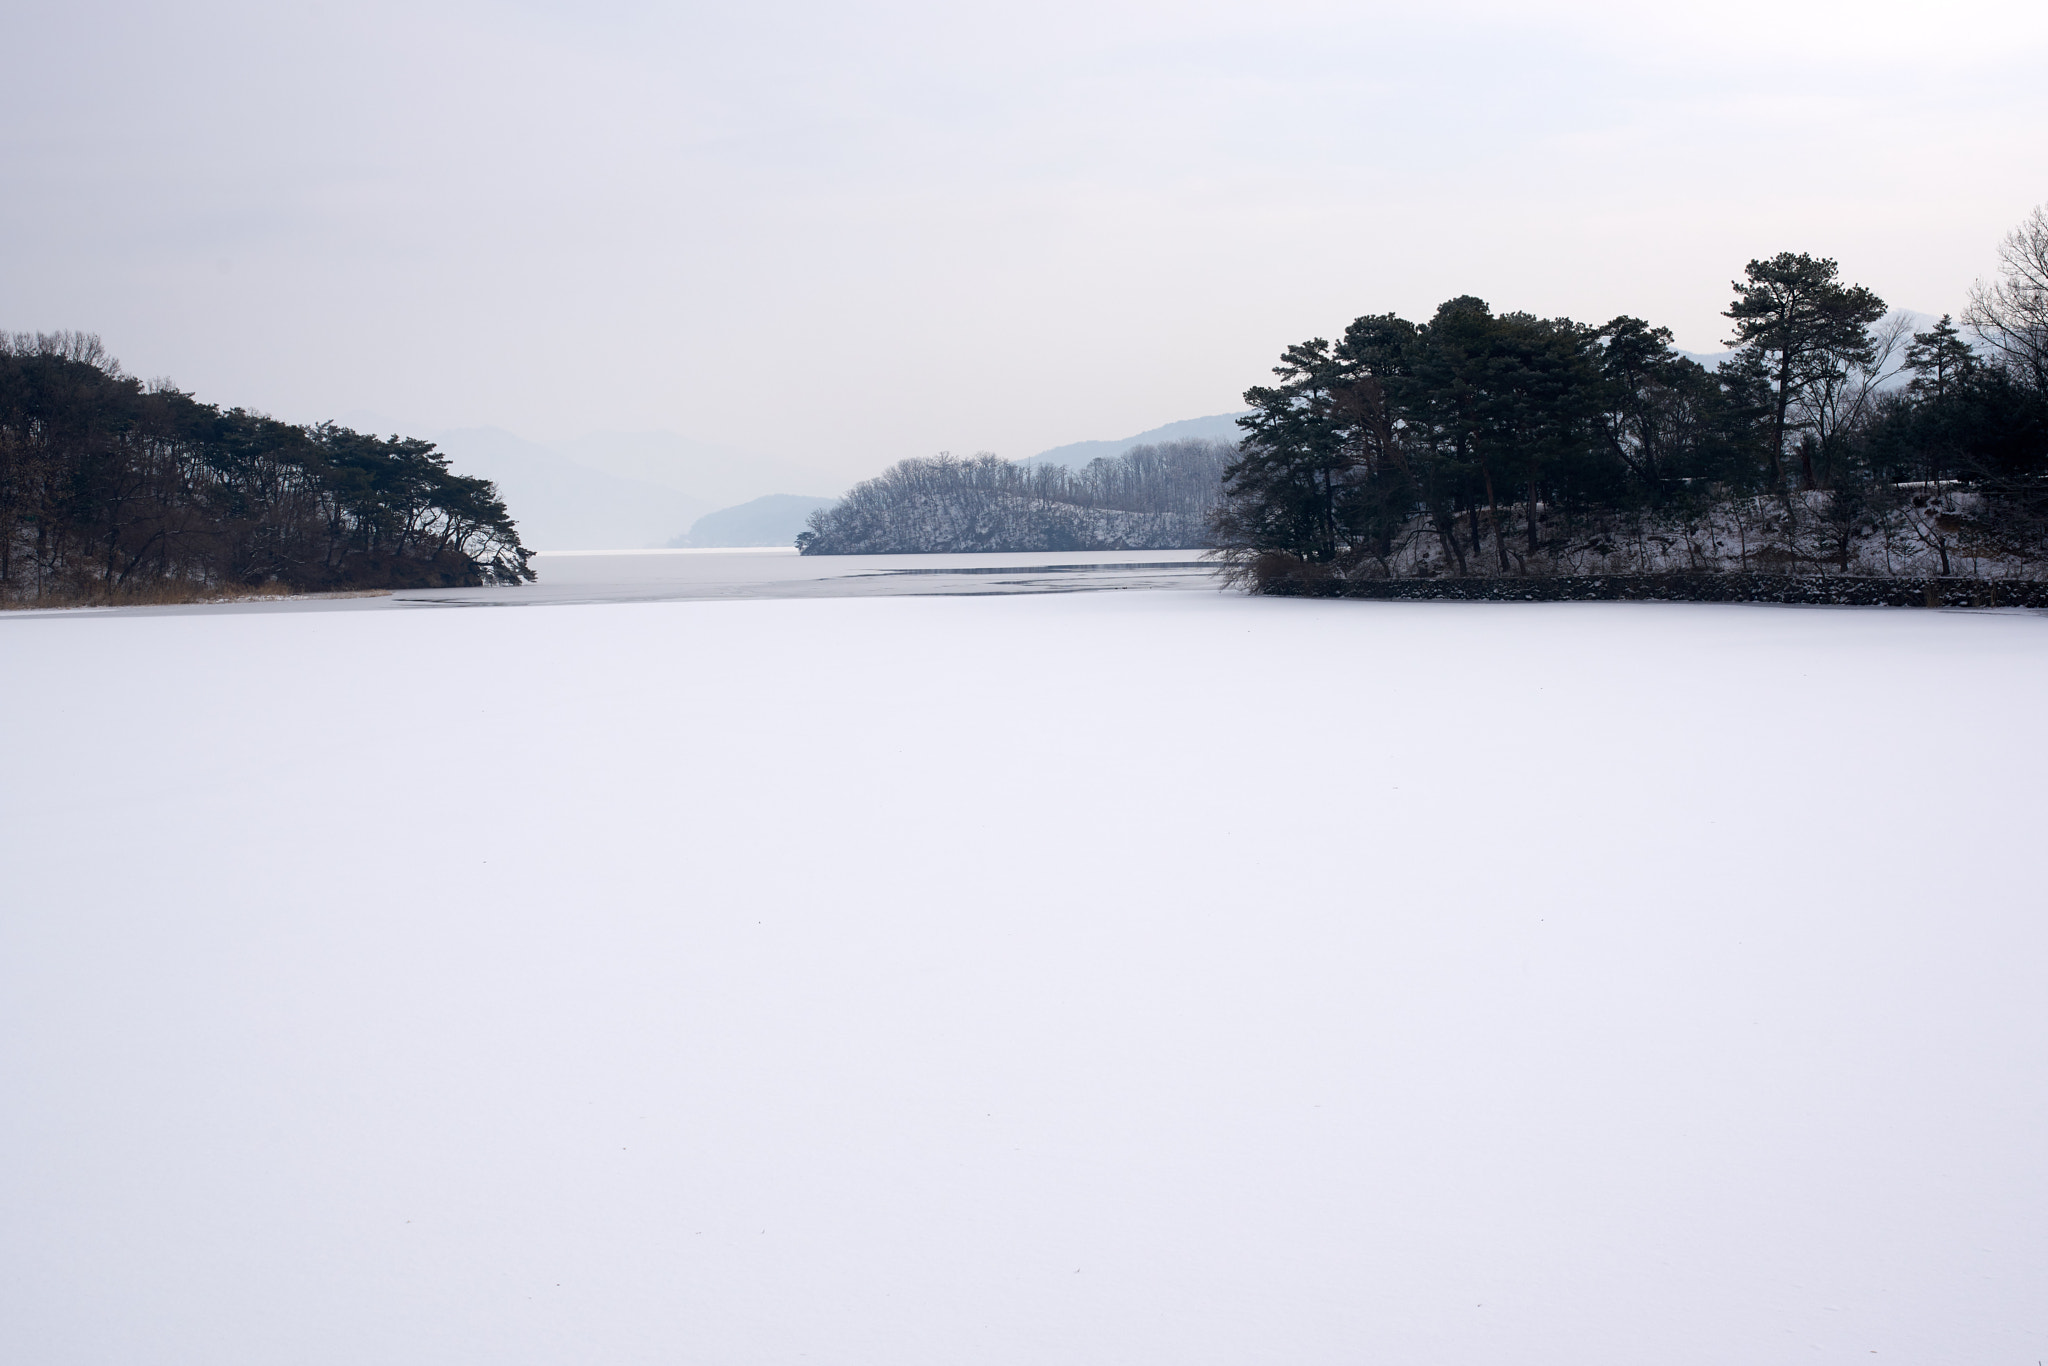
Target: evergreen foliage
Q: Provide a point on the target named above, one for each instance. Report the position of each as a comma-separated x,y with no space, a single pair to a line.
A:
1806,330
110,488
1503,444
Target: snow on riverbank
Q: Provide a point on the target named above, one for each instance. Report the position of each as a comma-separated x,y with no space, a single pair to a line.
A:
1096,978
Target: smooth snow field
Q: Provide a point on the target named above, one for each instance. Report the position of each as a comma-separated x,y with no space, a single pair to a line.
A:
1103,978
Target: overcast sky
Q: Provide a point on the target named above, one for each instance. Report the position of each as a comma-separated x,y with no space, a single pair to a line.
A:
850,233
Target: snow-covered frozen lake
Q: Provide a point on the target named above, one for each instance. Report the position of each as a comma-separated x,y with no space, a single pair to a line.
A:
1072,977
575,578
776,572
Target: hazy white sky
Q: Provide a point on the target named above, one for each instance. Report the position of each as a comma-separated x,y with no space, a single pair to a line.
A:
849,233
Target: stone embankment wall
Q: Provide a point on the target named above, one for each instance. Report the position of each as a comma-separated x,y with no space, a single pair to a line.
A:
1817,590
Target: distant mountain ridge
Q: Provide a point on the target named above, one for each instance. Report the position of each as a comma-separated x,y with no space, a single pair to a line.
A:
560,504
633,490
1077,454
773,520
722,476
607,490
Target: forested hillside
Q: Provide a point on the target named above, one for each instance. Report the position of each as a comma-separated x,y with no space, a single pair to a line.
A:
1835,441
1158,497
113,490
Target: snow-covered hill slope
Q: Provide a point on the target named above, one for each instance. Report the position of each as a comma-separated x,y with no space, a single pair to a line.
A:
769,982
942,524
1076,454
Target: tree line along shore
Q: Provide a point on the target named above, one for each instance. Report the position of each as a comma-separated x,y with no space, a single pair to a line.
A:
117,491
1837,442
1152,497
1470,455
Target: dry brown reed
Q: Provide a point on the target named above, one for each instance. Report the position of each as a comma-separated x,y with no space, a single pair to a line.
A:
167,593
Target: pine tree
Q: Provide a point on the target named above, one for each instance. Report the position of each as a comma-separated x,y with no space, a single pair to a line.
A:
1807,327
1939,359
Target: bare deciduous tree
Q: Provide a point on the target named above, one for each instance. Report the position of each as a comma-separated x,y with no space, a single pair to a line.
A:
1148,498
2010,314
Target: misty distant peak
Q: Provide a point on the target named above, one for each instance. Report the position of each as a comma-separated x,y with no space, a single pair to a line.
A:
1220,427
